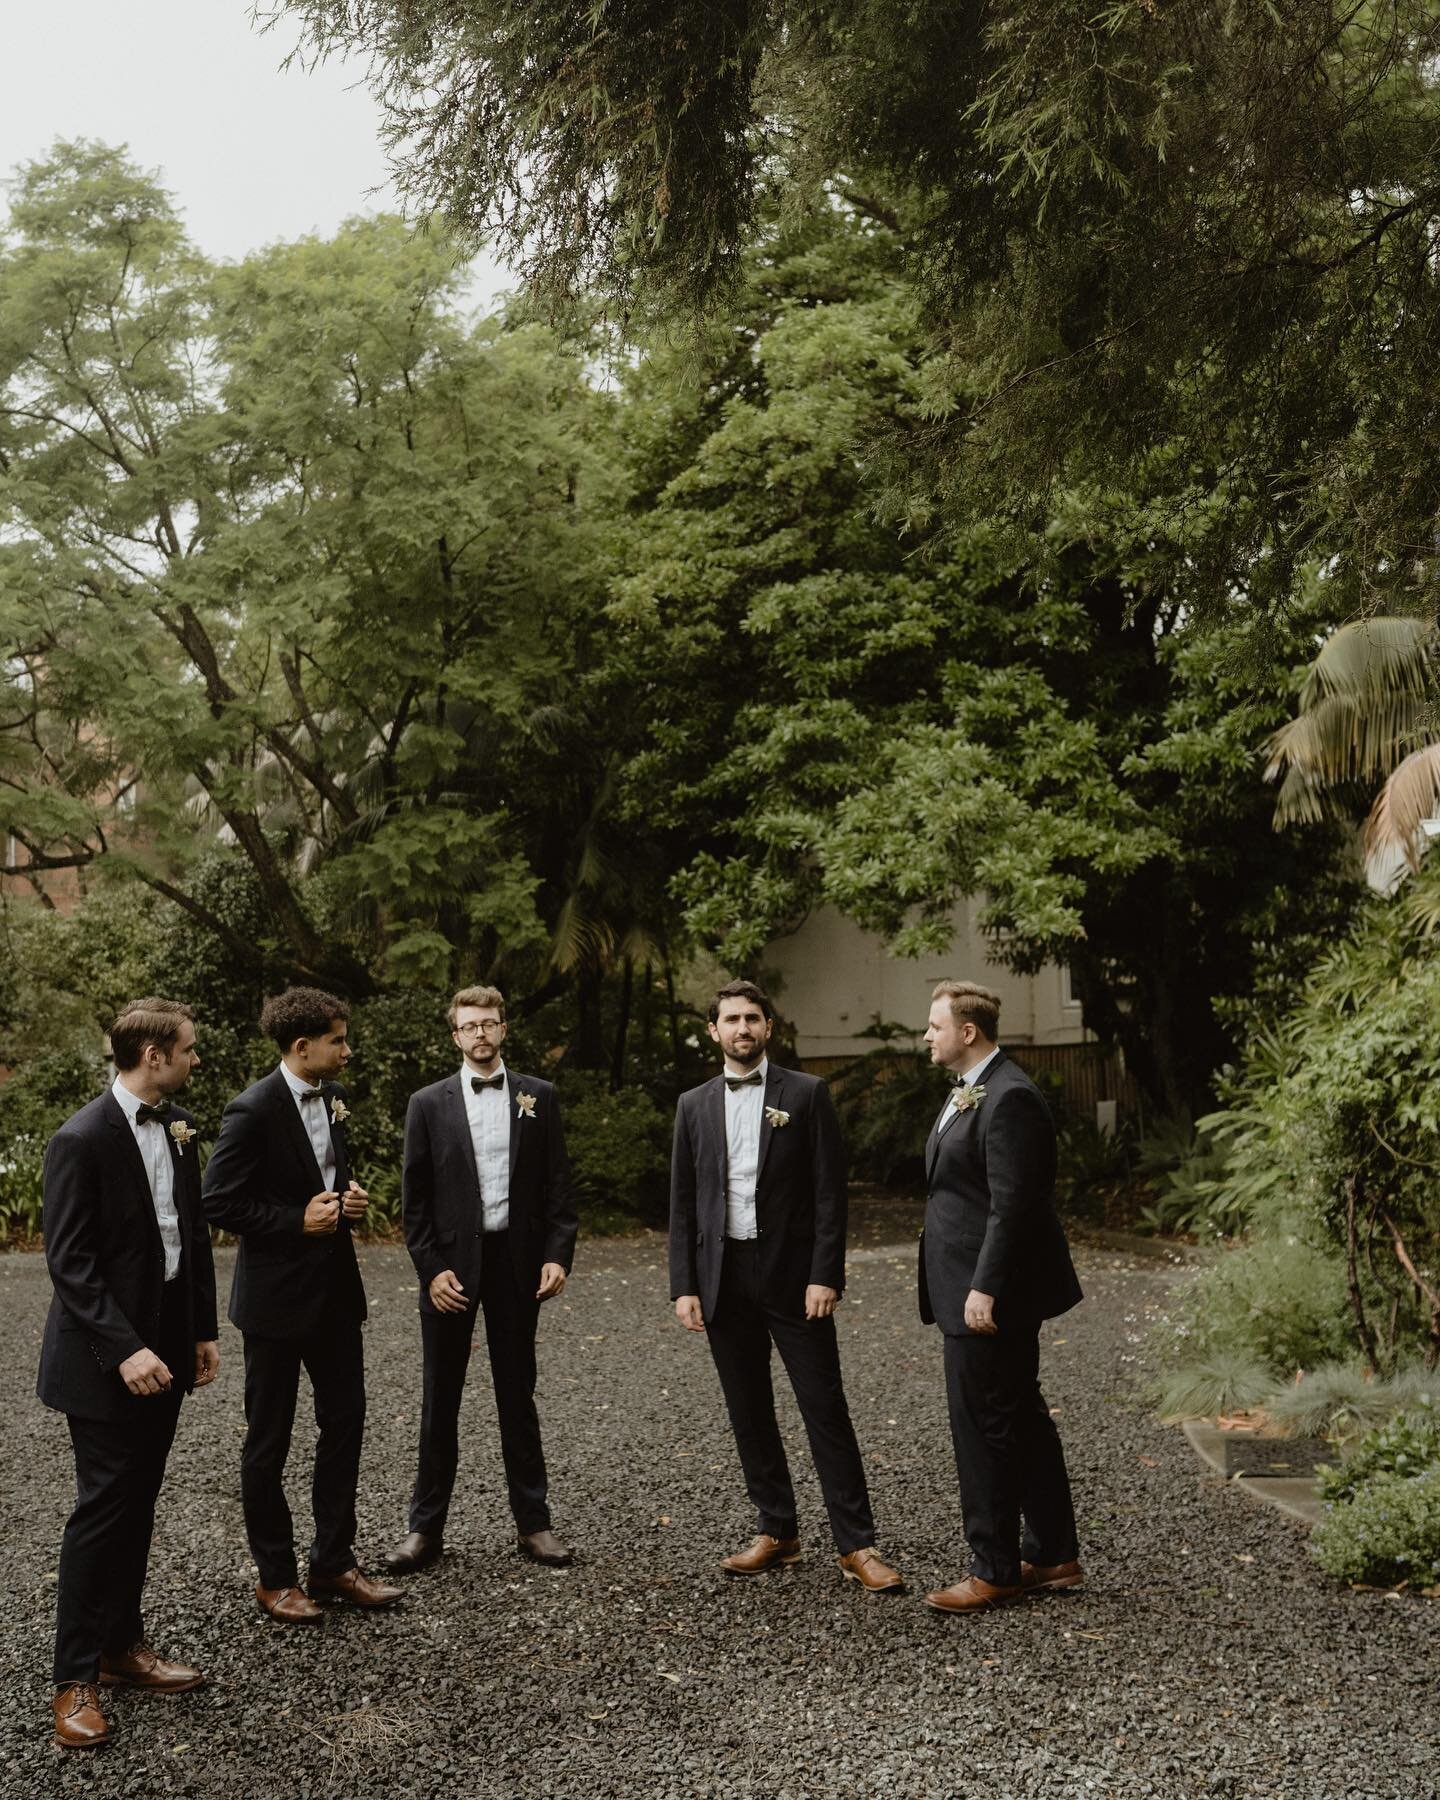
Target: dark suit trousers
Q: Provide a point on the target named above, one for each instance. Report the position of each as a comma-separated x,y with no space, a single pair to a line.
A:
741,1334
333,1357
510,1322
1007,1454
119,1466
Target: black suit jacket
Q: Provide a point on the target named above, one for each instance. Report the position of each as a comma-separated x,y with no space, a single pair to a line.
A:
800,1192
261,1176
990,1221
107,1263
442,1212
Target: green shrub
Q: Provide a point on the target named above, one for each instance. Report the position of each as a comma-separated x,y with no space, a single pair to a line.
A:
887,1100
42,1094
1387,1534
1209,1385
619,1146
1409,1445
21,1188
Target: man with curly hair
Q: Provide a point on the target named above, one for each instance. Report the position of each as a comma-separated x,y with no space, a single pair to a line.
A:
280,1179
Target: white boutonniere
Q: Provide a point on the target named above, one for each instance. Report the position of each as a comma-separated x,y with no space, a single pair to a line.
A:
967,1098
182,1134
525,1105
777,1118
339,1111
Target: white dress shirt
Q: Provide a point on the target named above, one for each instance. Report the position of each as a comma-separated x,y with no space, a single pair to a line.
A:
315,1117
154,1142
971,1078
744,1117
489,1116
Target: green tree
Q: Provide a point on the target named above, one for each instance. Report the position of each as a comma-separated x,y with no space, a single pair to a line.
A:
831,715
1184,247
295,555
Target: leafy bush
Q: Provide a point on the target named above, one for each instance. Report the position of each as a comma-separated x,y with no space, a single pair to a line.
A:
21,1188
887,1100
41,1095
1387,1534
1187,1171
1209,1385
1407,1447
619,1146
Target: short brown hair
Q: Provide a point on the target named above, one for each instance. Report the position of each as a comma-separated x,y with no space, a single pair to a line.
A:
148,1021
476,996
741,990
972,1004
300,1012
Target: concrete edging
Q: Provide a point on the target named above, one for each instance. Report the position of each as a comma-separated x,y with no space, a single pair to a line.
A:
1296,1495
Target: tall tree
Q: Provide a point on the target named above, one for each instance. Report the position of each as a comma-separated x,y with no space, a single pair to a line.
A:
293,552
1186,246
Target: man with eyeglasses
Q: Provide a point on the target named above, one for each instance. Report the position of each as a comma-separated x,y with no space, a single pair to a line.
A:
490,1221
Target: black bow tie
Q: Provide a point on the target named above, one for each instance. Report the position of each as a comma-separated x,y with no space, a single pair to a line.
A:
477,1082
310,1094
160,1114
738,1081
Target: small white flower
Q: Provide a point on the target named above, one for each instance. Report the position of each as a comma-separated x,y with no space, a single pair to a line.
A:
182,1134
967,1098
339,1111
777,1118
525,1106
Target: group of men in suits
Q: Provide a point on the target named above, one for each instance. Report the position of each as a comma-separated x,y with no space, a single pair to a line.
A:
757,1261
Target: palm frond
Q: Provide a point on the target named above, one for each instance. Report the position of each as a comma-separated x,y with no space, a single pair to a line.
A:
1369,658
1393,829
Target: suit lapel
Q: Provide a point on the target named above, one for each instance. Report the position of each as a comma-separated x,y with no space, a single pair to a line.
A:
712,1111
132,1161
515,1086
338,1141
774,1087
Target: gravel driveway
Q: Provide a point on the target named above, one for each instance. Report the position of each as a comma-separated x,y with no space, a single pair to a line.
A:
1206,1657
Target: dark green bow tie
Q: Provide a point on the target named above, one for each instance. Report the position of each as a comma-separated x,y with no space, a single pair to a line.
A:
160,1114
738,1081
477,1082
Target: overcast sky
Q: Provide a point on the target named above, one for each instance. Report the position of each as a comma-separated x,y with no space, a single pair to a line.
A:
250,153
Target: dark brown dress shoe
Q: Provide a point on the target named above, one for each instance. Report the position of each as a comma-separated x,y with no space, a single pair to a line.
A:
971,1594
764,1553
875,1576
354,1589
414,1551
140,1667
79,1722
1042,1578
290,1606
545,1547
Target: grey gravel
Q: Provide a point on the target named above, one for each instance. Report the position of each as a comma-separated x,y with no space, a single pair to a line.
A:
1207,1656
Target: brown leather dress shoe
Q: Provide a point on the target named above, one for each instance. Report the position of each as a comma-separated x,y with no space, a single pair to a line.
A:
971,1594
763,1554
354,1589
140,1667
1038,1578
544,1547
414,1551
79,1722
290,1606
874,1576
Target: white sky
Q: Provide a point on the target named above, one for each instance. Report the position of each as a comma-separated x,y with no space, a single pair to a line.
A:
251,155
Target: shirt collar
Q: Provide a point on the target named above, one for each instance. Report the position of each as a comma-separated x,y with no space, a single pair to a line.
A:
466,1072
130,1102
296,1086
763,1066
971,1077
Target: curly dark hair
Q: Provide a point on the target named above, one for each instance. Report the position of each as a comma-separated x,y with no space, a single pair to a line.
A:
300,1012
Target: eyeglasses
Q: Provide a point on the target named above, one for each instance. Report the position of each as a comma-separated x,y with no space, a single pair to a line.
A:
470,1029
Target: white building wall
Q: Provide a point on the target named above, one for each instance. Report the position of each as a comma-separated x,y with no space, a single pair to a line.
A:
833,979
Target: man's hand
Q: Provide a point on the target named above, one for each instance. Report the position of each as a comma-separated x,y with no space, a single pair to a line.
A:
207,1363
552,1281
687,1311
446,1293
322,1214
144,1373
820,1302
355,1201
980,1313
